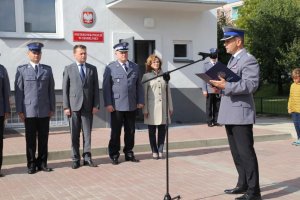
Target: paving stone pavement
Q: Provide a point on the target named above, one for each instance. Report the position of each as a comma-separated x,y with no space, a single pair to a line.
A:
195,173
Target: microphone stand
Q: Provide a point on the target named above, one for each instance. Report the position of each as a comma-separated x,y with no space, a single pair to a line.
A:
166,77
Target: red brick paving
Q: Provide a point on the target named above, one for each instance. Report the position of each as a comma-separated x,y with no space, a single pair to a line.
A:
195,174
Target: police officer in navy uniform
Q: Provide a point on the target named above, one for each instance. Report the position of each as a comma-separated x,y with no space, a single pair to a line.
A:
35,104
212,97
123,94
4,106
237,112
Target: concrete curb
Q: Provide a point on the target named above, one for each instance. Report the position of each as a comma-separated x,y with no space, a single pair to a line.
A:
102,151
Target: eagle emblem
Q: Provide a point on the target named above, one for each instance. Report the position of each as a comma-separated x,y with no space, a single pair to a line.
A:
88,17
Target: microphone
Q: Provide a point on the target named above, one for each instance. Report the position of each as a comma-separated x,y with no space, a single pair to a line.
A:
204,55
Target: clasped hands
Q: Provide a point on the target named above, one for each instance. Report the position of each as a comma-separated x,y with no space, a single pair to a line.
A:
110,108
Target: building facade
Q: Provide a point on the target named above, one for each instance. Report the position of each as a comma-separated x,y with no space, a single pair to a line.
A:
176,30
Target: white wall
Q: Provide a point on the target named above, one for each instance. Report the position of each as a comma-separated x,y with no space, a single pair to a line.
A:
169,26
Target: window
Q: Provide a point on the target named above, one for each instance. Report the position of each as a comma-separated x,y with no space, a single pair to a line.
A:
234,13
58,119
39,16
182,51
7,16
31,19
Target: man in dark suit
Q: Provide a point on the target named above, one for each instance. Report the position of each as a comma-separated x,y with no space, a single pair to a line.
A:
212,97
35,104
123,94
4,106
237,112
81,101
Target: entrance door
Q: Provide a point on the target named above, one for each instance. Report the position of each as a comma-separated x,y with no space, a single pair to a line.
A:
142,49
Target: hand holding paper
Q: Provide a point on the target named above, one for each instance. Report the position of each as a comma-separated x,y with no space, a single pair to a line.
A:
217,71
219,84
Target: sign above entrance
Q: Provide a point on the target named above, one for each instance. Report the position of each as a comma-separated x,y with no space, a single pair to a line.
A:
83,36
88,17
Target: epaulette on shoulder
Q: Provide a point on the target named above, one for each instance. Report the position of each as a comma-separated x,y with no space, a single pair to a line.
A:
46,66
112,62
21,66
249,55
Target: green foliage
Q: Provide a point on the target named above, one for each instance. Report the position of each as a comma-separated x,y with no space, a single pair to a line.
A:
270,90
291,58
272,28
222,21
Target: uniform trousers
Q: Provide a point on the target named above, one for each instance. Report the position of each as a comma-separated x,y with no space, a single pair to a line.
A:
212,107
118,119
1,139
81,120
37,129
240,138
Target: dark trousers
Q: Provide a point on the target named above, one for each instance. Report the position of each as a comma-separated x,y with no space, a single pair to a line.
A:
118,119
37,128
157,147
240,138
212,107
1,139
81,121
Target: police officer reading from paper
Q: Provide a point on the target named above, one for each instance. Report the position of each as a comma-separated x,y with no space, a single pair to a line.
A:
212,96
237,112
123,94
35,104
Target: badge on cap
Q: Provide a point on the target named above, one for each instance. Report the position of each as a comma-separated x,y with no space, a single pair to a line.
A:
231,32
35,46
122,46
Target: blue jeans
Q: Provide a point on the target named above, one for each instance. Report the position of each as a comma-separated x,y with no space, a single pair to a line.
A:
296,120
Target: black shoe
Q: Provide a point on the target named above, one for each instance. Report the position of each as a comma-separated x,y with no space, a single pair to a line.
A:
217,124
44,169
89,163
249,197
114,161
236,190
210,124
131,158
31,170
75,164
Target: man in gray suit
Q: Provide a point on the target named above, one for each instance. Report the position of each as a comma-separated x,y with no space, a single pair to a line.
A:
212,98
81,101
237,112
123,94
4,106
35,104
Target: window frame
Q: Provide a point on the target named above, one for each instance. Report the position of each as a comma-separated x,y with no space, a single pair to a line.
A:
20,26
58,120
189,51
235,12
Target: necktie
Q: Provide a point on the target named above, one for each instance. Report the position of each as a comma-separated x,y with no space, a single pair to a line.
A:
36,69
82,74
125,67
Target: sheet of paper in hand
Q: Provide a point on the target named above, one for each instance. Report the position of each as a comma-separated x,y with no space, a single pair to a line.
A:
217,70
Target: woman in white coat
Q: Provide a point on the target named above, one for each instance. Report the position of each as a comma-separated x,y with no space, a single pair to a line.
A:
155,105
